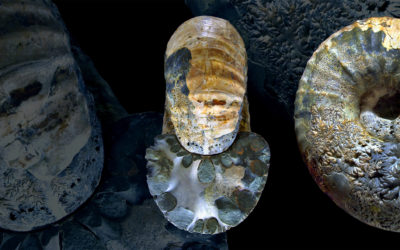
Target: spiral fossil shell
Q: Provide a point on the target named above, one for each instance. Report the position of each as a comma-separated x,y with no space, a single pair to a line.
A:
205,71
207,171
348,123
51,153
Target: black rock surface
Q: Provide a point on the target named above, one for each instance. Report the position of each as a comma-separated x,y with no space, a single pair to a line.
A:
108,108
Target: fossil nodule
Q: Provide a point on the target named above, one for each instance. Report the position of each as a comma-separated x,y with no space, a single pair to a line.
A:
203,177
347,120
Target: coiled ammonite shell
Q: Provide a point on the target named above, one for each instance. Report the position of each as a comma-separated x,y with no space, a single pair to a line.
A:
348,123
205,69
51,152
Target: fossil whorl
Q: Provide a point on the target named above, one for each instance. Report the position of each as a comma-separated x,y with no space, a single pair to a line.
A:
347,120
205,71
51,153
206,106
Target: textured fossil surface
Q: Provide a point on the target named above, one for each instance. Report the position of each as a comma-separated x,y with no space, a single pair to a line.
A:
347,120
205,72
207,194
51,151
281,35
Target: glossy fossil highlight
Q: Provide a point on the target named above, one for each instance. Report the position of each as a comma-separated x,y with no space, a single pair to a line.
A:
347,123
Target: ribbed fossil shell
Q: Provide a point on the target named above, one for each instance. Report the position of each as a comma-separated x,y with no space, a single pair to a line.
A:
201,181
51,152
348,123
205,71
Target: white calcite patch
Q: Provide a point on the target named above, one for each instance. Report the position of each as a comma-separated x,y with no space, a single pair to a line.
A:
207,194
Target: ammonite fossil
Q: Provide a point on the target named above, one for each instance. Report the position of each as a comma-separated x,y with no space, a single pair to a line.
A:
51,151
207,171
205,71
348,123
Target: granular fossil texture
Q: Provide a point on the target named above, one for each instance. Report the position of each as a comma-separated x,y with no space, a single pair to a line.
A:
281,35
347,120
51,151
207,194
205,72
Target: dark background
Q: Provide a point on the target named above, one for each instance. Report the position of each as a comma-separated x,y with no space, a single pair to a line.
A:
127,39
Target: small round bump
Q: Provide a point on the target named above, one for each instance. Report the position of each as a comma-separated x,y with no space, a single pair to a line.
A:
198,226
187,160
166,201
245,200
206,171
226,160
211,226
228,211
258,167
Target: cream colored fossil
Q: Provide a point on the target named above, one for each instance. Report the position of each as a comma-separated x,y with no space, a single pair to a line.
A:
347,120
204,175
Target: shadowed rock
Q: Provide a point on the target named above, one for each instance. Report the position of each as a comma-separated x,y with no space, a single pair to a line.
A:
51,151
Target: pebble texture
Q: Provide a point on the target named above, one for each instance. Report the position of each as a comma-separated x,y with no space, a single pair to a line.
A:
281,35
347,120
51,151
205,73
207,194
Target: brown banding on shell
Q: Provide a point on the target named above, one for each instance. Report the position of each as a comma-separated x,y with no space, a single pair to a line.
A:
205,70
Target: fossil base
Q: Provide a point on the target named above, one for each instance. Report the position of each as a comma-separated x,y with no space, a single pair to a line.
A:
207,194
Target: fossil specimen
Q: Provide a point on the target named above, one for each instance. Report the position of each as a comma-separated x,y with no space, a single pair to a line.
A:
347,120
200,180
205,71
207,194
51,152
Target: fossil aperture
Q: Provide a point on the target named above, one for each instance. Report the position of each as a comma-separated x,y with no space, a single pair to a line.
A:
347,120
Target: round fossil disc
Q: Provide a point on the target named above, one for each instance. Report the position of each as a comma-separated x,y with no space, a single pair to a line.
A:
205,72
207,194
348,120
51,151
